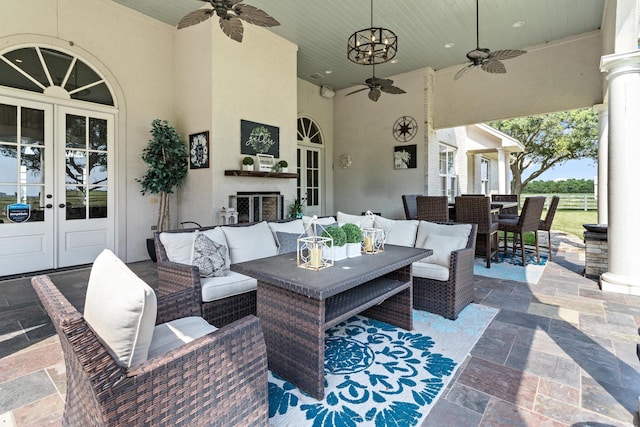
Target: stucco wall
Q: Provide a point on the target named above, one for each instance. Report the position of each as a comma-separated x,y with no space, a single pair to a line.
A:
562,75
363,129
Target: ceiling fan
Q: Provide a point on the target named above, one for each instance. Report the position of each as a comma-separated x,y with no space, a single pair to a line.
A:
483,57
231,13
376,86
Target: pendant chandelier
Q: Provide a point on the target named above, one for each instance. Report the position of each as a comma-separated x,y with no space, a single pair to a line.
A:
374,45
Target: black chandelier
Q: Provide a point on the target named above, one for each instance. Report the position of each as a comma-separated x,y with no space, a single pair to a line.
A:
374,45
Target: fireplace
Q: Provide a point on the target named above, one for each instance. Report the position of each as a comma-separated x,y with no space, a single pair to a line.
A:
258,206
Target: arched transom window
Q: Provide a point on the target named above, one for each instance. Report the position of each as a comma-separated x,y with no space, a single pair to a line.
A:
53,73
308,131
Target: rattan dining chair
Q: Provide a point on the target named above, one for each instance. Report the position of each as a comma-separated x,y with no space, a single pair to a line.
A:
545,224
529,220
433,208
410,207
507,212
477,210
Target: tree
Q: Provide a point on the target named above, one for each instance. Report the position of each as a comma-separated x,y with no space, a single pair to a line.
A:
550,140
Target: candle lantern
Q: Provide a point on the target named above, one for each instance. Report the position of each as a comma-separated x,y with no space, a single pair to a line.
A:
311,252
372,240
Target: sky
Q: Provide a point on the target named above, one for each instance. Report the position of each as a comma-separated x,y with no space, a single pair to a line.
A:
576,169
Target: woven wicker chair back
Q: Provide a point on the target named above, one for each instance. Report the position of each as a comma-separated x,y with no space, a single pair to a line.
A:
410,207
474,210
531,212
545,224
433,208
507,198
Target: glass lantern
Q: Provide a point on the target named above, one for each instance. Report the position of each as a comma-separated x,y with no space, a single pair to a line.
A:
313,250
372,240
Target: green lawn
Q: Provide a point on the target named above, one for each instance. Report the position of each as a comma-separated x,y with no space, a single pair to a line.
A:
569,221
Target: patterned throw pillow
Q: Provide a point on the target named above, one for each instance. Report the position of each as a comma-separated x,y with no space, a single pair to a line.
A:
288,242
208,256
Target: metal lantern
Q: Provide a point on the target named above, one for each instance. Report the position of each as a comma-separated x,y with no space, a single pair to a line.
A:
372,240
311,252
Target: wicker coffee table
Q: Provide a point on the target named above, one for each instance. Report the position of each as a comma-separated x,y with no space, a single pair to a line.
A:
295,306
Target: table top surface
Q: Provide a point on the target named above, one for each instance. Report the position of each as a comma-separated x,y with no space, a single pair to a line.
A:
504,205
282,271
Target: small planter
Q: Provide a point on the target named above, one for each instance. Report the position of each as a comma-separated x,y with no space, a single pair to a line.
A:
247,167
284,170
336,253
354,250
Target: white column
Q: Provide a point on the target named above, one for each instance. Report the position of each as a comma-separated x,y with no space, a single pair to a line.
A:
623,76
502,172
603,162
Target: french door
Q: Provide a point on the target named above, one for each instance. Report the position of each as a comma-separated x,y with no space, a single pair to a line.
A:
56,185
310,164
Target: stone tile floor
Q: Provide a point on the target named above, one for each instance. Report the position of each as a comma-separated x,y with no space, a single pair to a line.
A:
559,353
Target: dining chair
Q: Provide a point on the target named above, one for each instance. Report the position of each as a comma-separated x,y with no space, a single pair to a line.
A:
529,220
506,212
477,210
545,224
433,208
410,207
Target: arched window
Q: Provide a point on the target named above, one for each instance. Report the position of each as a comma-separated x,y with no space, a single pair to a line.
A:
53,73
308,131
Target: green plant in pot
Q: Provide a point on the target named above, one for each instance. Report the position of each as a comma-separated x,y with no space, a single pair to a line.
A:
282,166
338,249
166,158
295,208
247,163
353,235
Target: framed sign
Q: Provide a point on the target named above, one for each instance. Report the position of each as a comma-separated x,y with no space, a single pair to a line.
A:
256,138
404,157
199,150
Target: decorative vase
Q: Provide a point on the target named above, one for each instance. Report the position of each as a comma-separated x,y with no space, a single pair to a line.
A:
284,170
354,249
336,253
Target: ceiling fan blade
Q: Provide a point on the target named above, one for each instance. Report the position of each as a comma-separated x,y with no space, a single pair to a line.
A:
394,90
195,17
374,94
462,71
356,91
255,16
232,27
493,66
506,54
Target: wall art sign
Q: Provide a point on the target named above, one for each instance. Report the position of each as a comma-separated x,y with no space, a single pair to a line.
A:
18,212
404,157
405,128
199,150
257,138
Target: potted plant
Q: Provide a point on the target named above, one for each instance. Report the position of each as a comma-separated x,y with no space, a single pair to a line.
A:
338,250
166,158
283,166
247,163
353,234
295,208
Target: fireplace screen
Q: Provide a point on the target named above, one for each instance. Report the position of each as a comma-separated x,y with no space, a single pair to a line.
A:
252,207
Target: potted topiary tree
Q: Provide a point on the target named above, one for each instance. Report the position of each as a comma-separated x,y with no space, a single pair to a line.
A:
338,251
353,234
166,158
247,163
283,166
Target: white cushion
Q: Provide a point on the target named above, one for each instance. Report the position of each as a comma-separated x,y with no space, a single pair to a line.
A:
121,308
456,230
215,288
250,242
442,247
429,270
362,221
176,333
178,246
291,227
398,232
217,235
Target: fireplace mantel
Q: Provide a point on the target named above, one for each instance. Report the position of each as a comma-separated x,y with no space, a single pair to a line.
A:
260,174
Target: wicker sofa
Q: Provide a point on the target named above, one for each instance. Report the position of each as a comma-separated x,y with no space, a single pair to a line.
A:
125,366
443,283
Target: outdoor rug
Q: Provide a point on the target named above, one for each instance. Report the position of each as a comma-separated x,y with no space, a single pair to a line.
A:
510,268
380,375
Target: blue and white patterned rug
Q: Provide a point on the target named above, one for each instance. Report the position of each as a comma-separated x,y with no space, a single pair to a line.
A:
510,268
380,375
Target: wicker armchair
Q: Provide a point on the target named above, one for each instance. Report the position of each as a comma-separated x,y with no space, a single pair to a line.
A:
433,208
545,224
183,281
477,210
410,207
449,298
529,220
219,379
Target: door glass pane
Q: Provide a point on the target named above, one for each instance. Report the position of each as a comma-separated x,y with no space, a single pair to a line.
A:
32,126
76,164
35,198
76,131
97,134
31,164
8,123
8,195
98,202
76,202
98,168
8,163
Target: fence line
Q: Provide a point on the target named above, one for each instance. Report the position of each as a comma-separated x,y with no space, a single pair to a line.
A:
578,201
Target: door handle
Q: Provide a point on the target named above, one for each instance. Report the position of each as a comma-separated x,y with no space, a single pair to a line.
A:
48,206
61,205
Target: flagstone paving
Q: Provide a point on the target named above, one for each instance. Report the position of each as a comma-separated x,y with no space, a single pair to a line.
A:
559,353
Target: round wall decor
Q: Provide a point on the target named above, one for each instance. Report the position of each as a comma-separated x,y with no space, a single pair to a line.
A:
405,128
345,161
